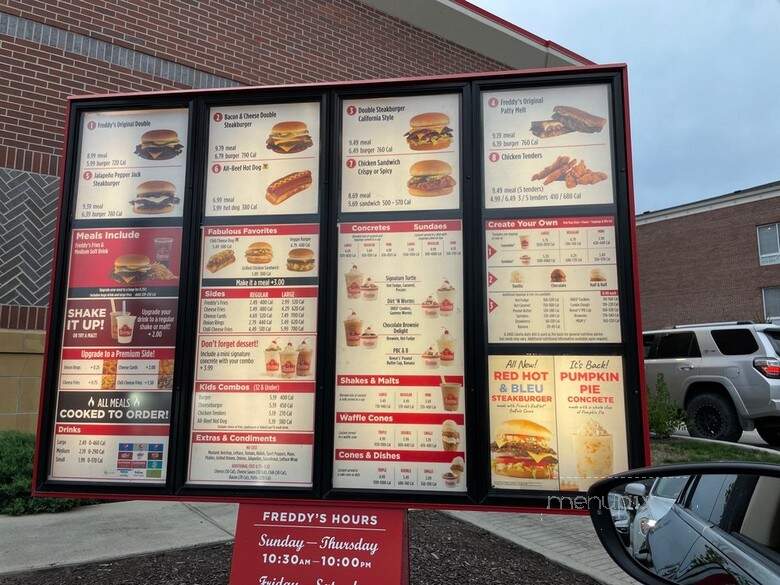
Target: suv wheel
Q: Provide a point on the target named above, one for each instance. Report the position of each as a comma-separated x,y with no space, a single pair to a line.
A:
769,430
710,416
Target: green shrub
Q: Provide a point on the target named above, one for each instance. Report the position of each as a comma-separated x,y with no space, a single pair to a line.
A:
16,464
664,415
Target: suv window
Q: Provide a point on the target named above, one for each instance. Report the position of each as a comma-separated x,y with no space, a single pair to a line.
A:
678,345
734,341
774,338
703,497
670,487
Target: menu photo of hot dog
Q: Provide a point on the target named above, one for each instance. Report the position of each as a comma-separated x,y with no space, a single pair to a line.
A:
547,146
263,160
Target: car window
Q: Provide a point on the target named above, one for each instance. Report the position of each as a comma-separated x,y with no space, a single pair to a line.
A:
735,341
704,495
774,338
647,343
678,345
670,487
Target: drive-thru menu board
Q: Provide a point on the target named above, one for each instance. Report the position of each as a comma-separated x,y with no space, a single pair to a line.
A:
556,422
552,280
546,147
320,297
400,421
400,153
117,357
132,164
253,403
263,160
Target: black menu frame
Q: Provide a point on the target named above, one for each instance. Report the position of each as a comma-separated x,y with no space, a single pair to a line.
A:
472,213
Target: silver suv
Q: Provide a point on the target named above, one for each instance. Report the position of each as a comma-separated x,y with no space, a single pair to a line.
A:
726,376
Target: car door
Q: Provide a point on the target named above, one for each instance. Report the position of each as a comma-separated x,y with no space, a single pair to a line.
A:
677,357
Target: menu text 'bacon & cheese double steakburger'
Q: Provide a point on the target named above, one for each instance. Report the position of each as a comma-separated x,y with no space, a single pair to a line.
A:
130,269
289,137
430,178
522,449
159,145
429,132
155,197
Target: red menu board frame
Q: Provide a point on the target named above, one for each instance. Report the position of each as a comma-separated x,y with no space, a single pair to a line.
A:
471,211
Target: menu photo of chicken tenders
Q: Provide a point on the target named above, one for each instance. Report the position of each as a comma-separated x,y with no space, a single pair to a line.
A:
547,146
400,153
263,160
132,164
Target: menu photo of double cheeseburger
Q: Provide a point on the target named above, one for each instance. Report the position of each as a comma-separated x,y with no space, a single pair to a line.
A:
430,131
289,137
154,197
159,145
522,449
430,178
130,269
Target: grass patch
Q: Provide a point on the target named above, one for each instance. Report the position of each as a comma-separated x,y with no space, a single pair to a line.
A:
16,463
668,451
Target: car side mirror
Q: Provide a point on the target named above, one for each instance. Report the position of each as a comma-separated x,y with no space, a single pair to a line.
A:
703,523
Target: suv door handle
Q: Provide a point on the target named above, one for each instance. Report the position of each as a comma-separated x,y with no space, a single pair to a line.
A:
685,368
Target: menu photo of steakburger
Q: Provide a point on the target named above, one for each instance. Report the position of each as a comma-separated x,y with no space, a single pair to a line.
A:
430,178
159,144
154,198
429,131
136,269
300,260
289,137
521,449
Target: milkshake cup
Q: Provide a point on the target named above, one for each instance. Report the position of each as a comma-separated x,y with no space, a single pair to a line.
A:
450,396
288,361
353,328
272,358
354,280
303,367
446,345
124,328
114,315
446,295
593,452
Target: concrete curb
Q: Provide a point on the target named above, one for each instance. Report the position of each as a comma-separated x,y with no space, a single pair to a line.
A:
724,443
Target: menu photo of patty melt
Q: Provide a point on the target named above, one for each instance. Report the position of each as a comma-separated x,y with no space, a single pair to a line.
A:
547,146
132,164
263,160
400,404
400,153
552,280
253,407
556,422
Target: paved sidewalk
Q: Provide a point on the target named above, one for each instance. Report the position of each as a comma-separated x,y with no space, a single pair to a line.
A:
110,531
570,541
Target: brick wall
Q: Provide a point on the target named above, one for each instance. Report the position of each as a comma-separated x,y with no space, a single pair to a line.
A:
704,267
21,361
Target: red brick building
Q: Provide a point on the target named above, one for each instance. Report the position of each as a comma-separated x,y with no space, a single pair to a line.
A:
50,50
717,259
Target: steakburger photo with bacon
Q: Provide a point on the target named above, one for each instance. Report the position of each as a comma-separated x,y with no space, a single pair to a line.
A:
289,137
430,178
522,449
429,132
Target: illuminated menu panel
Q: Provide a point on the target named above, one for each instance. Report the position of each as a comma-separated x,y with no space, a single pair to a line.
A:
263,159
253,403
552,280
400,153
400,405
556,422
547,147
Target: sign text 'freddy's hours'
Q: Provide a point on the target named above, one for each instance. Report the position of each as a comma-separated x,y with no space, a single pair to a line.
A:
245,260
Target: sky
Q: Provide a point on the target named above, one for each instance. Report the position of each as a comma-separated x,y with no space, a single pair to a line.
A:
704,85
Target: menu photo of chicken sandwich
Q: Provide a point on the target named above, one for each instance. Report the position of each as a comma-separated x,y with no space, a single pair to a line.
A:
430,178
567,119
521,449
154,198
289,137
430,131
285,187
259,253
159,145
